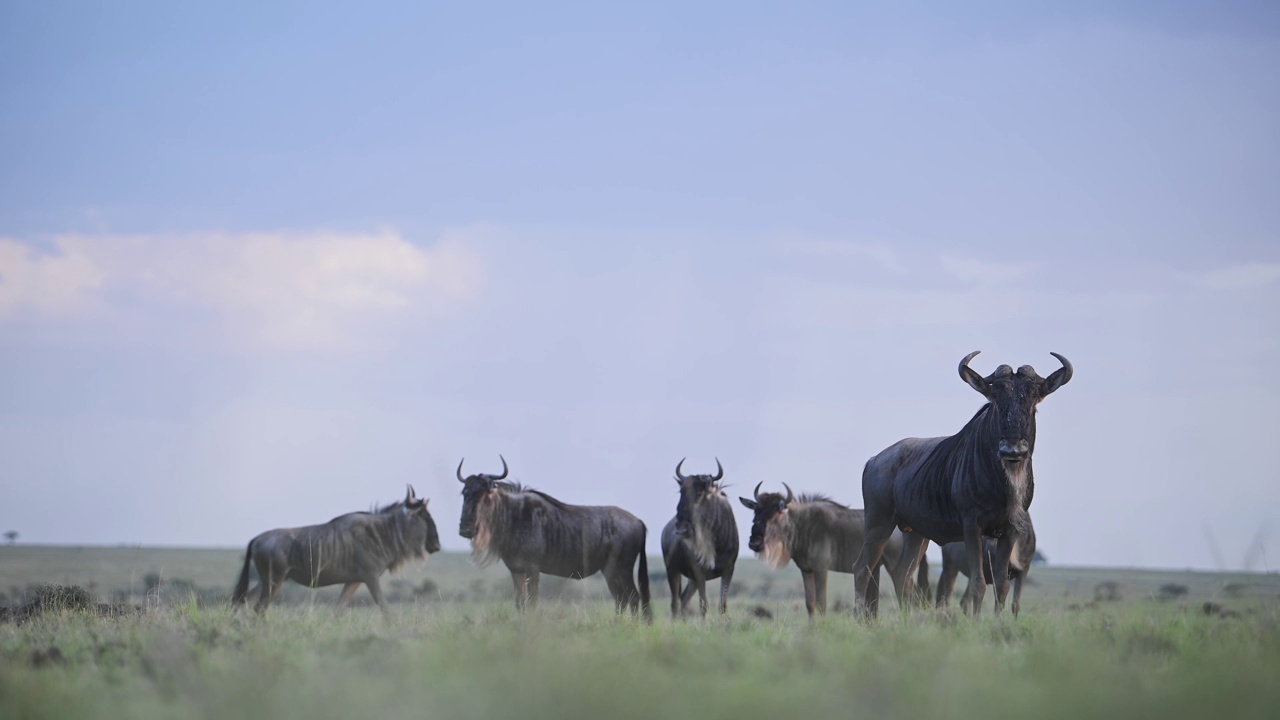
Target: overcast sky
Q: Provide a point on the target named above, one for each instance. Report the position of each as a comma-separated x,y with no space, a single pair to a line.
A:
263,265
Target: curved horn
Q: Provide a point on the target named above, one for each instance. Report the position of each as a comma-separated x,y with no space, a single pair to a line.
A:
680,475
790,495
1058,377
970,376
460,478
1067,370
504,468
719,472
409,493
756,494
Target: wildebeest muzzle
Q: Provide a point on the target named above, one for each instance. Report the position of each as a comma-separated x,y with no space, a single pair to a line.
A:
1013,450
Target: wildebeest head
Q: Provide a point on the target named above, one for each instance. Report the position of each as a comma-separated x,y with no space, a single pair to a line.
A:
416,507
1013,397
474,489
765,507
694,490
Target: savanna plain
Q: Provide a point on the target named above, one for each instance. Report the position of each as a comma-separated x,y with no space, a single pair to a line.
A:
1089,643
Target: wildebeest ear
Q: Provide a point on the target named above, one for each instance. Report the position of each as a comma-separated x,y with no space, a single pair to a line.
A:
750,504
970,376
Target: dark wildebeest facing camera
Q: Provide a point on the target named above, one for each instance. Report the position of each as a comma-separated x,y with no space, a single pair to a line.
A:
974,484
701,541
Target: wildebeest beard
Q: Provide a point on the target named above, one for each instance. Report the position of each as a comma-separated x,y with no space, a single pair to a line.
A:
777,541
482,551
703,544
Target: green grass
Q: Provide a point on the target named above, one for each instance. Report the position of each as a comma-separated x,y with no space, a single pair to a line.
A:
1136,657
571,661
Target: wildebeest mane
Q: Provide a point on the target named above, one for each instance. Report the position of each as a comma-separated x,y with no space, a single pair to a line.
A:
496,514
818,498
386,533
712,521
966,454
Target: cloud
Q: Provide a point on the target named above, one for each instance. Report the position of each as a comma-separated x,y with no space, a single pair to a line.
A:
1246,276
42,283
981,272
846,251
280,289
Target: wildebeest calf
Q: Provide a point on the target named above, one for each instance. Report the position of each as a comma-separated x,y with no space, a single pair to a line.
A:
954,562
820,536
348,550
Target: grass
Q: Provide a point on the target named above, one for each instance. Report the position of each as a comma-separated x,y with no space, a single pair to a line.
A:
574,659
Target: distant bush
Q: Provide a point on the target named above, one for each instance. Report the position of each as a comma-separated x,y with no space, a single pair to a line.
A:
53,598
428,589
1107,591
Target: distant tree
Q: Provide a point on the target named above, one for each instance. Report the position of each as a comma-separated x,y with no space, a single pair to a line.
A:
11,536
1039,559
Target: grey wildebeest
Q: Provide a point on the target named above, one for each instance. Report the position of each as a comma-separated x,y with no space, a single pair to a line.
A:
974,484
954,562
534,533
348,550
821,536
701,541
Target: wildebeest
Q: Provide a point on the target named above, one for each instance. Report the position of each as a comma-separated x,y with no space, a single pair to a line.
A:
348,550
974,484
701,541
533,533
954,562
821,535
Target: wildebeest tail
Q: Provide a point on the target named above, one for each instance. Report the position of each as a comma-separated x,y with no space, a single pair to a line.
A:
643,581
242,587
922,581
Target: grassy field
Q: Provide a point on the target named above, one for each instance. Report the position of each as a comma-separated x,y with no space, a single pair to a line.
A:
462,652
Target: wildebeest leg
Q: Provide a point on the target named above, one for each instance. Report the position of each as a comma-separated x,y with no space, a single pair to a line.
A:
966,602
345,598
1017,591
700,582
810,593
904,573
375,589
534,577
269,593
973,546
946,583
702,596
866,570
520,580
918,594
687,595
820,589
725,580
673,582
622,588
1000,569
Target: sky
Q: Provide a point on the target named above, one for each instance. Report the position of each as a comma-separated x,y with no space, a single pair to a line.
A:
261,266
